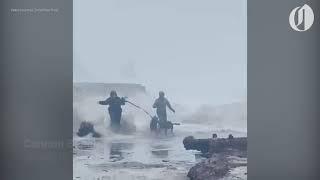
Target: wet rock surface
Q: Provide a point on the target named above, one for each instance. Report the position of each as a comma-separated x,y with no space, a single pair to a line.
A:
142,156
215,145
87,128
223,156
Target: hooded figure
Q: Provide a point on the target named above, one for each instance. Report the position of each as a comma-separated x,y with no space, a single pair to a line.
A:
161,105
114,109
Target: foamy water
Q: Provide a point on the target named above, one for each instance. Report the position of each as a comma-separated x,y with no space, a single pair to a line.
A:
140,155
137,154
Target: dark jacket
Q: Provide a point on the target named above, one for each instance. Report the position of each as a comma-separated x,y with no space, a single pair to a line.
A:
114,103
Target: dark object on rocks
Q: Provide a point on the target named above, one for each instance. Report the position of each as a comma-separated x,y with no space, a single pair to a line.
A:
209,169
219,152
214,145
196,144
214,136
87,128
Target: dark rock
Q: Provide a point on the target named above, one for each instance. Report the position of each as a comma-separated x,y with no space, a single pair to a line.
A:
214,136
230,136
190,143
209,169
214,145
87,128
218,151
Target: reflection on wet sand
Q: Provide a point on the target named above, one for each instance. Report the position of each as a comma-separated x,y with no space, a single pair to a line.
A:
160,153
117,150
86,144
134,157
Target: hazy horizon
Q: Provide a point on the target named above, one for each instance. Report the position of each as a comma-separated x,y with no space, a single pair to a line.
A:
195,51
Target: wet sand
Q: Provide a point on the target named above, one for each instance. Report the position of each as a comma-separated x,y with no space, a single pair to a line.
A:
142,155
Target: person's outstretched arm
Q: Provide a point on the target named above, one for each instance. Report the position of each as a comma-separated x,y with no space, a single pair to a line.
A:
105,102
169,106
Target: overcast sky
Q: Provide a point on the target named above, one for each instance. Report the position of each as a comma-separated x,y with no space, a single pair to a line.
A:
194,50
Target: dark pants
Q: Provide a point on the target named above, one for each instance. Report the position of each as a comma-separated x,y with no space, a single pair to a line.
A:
115,117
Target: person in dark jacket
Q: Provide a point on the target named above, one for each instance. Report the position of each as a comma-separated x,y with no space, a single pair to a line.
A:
161,105
114,109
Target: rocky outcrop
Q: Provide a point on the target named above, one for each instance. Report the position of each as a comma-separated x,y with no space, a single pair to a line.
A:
87,128
212,168
215,145
224,154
